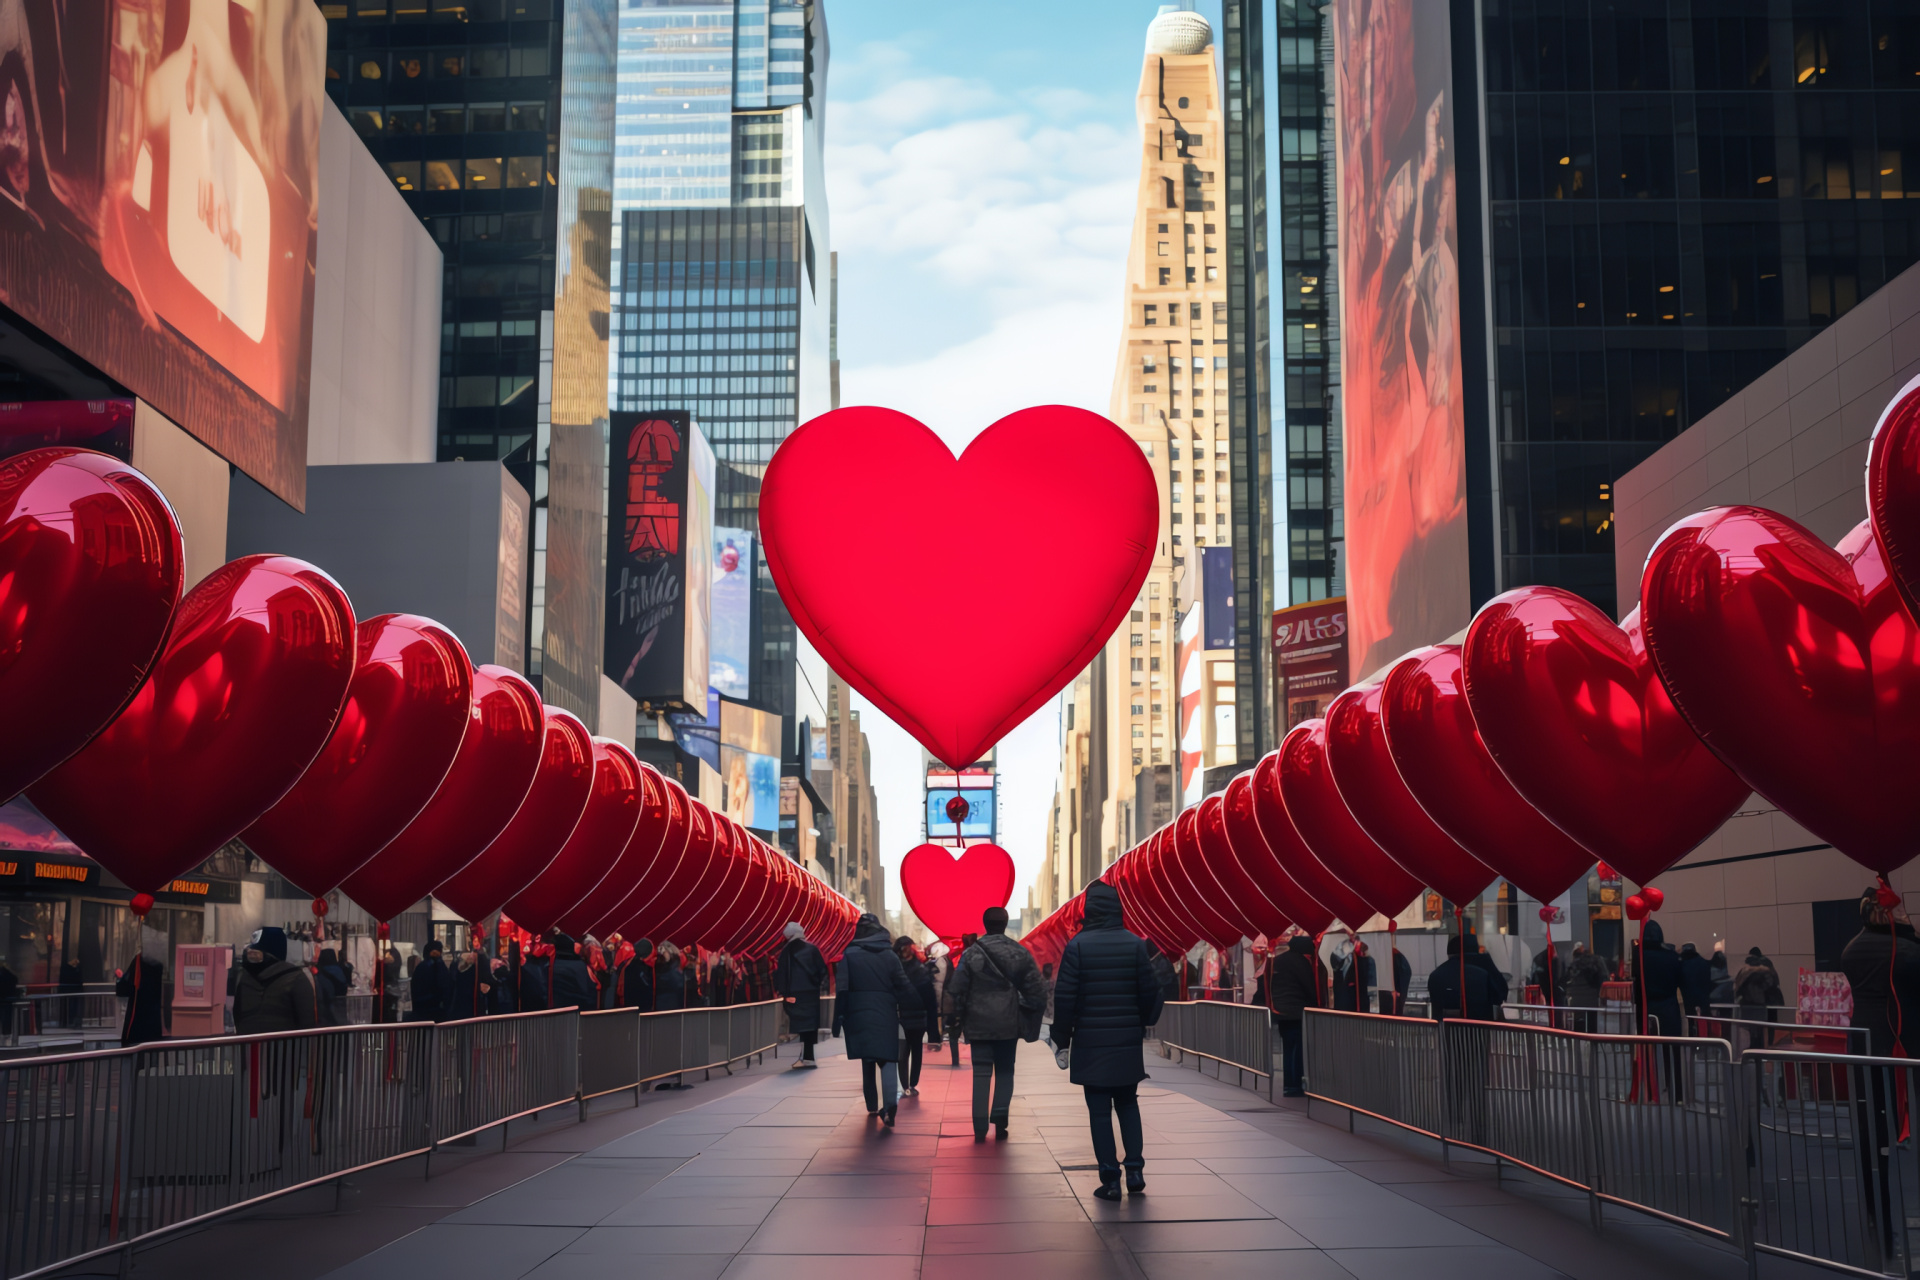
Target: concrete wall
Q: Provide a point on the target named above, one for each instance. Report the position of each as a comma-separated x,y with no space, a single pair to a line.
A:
1795,441
376,314
194,480
423,538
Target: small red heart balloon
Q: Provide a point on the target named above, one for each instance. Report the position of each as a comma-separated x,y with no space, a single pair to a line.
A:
405,715
874,486
1571,709
1270,810
1653,897
491,776
1893,491
1254,913
948,893
90,571
1799,665
612,811
1636,907
1370,783
1329,831
1438,753
1547,914
540,826
1261,863
237,706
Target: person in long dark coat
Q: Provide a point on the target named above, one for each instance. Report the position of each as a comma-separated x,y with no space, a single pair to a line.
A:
1882,964
471,987
1696,981
503,998
432,985
637,990
330,986
1106,997
573,983
669,979
534,971
914,1014
1348,993
798,976
1443,987
144,1019
872,987
1294,981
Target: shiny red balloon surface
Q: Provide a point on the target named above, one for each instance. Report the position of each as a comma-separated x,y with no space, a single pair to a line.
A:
720,887
1368,780
240,702
490,778
592,914
1893,491
1262,864
701,865
948,893
1283,837
1193,881
1328,828
636,914
1799,665
1254,911
1439,755
393,745
91,564
540,826
612,812
1571,709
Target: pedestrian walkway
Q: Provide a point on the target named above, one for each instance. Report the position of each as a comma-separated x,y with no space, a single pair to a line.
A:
780,1173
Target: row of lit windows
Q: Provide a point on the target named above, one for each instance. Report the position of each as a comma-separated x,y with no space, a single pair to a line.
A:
450,118
464,62
474,173
439,10
713,319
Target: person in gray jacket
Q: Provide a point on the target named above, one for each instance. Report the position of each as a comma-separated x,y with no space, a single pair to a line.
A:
996,976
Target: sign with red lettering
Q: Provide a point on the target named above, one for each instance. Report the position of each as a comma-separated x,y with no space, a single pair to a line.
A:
1309,658
659,554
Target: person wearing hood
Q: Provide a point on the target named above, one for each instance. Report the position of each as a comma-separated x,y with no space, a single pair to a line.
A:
330,987
872,988
1756,993
1656,994
1294,980
535,973
573,985
914,1014
1721,992
271,994
1696,981
432,986
144,1020
1444,987
637,989
1351,993
798,976
471,987
1586,975
1882,964
995,983
1105,998
503,998
669,979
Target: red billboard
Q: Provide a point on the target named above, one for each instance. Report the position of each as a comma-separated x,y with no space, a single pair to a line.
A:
1404,460
159,164
1309,659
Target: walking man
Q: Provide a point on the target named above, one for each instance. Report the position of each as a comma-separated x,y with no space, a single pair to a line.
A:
994,982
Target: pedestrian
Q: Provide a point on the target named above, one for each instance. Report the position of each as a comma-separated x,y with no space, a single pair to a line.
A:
669,979
1696,982
1444,986
1350,992
1047,976
1586,974
994,985
470,986
72,981
1261,959
1722,993
1402,981
915,1014
572,983
503,998
1294,980
798,977
1756,993
535,977
432,986
1163,969
143,982
637,989
330,986
9,992
1497,984
271,995
1656,994
1549,974
1882,964
872,988
1106,998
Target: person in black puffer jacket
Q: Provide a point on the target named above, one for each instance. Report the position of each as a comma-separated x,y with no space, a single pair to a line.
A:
330,985
1106,997
432,986
669,979
1294,982
573,983
1882,964
914,1014
872,987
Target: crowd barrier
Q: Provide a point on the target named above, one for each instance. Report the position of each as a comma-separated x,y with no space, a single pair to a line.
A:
1227,1035
99,1151
1800,1155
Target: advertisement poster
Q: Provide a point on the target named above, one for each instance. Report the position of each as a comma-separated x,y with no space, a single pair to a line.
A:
1309,658
733,569
1825,999
1404,460
659,560
158,204
978,824
1192,679
750,766
1216,596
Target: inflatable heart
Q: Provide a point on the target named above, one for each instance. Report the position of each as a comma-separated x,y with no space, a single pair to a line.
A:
1254,912
239,703
1571,709
697,875
1329,831
1192,880
1365,774
1260,862
1799,665
1437,750
1893,491
1277,826
949,893
605,826
490,777
396,738
90,571
634,915
862,509
540,826
591,914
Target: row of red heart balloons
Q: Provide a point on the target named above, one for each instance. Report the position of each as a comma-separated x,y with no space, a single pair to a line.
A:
367,756
1759,659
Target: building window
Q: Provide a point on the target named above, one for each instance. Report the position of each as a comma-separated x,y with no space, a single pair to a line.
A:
1153,664
1139,732
1163,248
1166,274
1135,667
1152,312
483,173
1190,276
405,174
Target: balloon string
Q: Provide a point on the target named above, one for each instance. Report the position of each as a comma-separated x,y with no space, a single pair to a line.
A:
1547,923
1393,951
1460,927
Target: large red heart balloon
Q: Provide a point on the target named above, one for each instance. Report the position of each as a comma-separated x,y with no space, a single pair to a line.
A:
612,812
1328,829
90,571
701,865
1364,771
593,914
490,778
862,509
1133,903
634,915
718,886
240,702
1253,911
1893,491
1261,863
540,826
1140,884
1194,883
1571,709
949,893
1798,664
1283,837
396,738
1439,755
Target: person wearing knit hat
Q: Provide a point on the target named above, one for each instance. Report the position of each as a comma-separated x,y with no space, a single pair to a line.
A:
798,976
270,994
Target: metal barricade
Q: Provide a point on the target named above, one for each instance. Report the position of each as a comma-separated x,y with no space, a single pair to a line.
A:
1231,1035
490,1070
609,1052
1588,1019
43,1015
1380,1066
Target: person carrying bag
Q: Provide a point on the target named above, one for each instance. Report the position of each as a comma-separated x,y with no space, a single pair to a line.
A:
999,999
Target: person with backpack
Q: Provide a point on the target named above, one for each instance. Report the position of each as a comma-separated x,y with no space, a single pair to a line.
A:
998,997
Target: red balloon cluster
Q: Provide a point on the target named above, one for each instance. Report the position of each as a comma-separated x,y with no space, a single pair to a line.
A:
369,756
1758,660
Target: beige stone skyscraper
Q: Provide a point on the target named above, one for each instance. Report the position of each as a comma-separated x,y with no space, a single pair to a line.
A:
1119,779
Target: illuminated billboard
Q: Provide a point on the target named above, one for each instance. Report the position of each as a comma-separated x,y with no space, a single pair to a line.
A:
750,766
732,644
659,560
1404,438
158,204
977,825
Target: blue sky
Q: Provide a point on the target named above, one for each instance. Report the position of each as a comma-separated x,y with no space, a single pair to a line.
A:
981,165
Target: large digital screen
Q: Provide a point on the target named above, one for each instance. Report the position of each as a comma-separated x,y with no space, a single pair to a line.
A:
158,204
732,652
1404,427
978,824
752,783
659,559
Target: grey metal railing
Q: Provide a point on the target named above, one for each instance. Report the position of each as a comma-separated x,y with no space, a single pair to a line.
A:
73,1011
491,1070
1229,1035
622,1049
